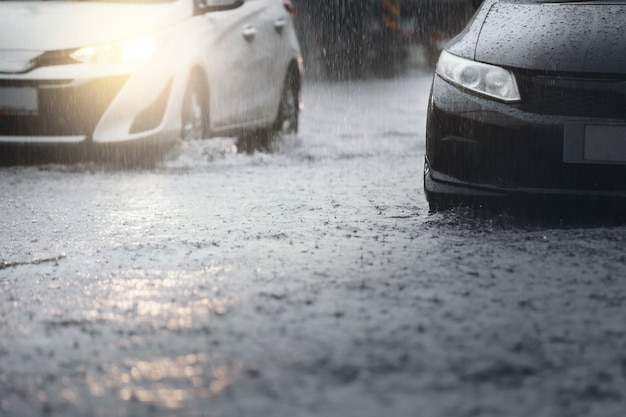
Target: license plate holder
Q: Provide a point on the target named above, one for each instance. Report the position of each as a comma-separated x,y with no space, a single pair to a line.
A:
19,101
605,144
594,144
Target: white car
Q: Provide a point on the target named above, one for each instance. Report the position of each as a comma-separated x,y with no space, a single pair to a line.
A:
95,73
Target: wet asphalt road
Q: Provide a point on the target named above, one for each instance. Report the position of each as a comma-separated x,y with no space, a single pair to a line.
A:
306,281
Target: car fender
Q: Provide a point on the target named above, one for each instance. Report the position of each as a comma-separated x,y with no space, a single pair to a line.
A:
169,68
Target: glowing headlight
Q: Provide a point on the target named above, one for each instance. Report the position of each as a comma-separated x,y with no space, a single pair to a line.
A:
135,50
481,78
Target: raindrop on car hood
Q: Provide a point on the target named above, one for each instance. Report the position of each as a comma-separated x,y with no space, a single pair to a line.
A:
564,37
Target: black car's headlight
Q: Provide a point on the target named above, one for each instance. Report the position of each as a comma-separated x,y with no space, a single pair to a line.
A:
131,51
485,79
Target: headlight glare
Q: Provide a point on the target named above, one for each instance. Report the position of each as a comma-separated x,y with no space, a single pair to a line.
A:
135,50
485,79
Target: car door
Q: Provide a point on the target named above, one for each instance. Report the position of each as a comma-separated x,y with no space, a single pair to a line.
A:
233,60
268,26
272,53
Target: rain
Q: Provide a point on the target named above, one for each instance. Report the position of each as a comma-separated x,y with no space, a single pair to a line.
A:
306,276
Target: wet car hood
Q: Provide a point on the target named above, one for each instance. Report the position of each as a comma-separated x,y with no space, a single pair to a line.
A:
42,26
570,37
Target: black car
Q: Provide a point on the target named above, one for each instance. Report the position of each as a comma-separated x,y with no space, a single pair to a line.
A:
529,100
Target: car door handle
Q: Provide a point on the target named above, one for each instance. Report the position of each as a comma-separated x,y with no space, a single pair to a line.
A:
249,33
280,23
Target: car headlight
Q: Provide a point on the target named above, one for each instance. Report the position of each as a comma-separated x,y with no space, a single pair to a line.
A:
135,50
486,79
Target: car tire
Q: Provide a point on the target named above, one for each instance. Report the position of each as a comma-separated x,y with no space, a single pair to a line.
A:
254,140
288,115
195,119
437,202
286,122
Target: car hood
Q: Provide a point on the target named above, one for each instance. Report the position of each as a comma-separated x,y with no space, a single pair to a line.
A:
570,37
44,26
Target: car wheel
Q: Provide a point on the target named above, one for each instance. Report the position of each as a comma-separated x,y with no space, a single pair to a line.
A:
195,110
286,121
289,108
437,202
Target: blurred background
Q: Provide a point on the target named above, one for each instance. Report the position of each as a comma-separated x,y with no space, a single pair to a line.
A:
356,38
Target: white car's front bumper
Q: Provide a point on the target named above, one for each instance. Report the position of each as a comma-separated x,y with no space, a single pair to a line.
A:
91,103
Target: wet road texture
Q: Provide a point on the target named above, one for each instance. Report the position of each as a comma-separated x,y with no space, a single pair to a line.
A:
307,280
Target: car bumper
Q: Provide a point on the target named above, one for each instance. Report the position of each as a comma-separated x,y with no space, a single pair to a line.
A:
479,147
440,183
74,104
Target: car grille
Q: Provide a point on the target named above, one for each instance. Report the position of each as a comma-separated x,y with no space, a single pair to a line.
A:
563,96
65,108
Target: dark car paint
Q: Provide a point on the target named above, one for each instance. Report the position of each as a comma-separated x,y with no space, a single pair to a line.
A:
464,43
505,33
555,37
485,142
479,147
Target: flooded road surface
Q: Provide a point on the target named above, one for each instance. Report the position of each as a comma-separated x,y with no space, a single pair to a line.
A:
306,281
